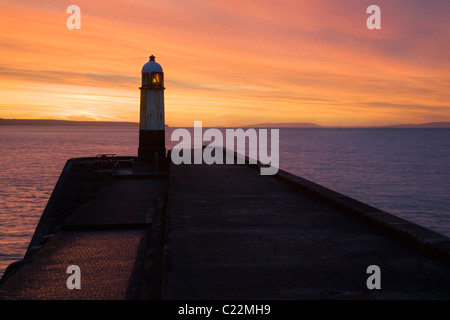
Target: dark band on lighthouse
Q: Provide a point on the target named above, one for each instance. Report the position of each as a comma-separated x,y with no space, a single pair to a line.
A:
152,127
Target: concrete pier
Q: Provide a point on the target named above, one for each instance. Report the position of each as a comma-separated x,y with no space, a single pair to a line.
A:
237,235
222,232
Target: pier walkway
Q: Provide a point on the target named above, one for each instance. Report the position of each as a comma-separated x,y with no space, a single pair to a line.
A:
237,235
221,232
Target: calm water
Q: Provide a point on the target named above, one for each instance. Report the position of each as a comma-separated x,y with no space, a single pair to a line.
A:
402,171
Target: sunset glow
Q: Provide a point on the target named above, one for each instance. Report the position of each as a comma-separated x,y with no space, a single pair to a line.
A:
228,63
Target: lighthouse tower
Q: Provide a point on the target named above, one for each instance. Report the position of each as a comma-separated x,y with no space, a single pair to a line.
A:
152,127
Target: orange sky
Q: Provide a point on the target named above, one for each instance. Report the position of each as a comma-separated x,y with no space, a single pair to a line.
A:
228,62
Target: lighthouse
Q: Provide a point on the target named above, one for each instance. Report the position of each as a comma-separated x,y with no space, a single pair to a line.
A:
151,126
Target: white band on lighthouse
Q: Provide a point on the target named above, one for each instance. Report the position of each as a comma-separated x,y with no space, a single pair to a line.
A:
153,119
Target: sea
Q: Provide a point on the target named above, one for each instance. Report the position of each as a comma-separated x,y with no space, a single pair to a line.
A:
403,171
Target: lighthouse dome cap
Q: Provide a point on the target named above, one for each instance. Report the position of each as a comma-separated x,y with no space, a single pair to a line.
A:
152,66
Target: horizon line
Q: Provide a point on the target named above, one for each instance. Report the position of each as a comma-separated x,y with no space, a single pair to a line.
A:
306,125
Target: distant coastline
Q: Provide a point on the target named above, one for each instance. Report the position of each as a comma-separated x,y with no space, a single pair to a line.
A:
286,125
50,122
435,125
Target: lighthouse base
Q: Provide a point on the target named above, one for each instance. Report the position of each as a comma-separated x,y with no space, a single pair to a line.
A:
150,143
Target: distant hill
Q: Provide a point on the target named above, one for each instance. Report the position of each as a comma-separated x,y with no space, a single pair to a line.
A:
422,125
436,125
45,122
286,125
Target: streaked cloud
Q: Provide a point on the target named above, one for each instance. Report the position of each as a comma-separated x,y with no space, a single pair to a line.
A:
229,62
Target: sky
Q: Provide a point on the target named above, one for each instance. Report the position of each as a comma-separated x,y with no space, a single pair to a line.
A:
228,62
